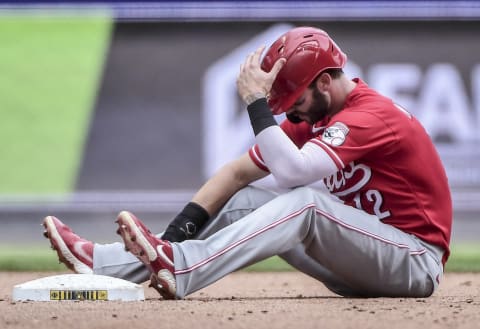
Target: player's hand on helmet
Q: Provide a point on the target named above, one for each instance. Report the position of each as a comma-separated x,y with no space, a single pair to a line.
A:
254,83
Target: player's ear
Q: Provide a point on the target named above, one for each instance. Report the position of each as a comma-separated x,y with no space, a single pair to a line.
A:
323,82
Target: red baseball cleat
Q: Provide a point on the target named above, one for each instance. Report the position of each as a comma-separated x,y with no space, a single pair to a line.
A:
76,253
156,254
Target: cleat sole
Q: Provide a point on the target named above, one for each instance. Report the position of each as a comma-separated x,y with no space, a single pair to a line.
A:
57,244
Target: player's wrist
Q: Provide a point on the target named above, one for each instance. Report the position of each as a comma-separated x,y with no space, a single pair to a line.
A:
187,223
261,116
249,99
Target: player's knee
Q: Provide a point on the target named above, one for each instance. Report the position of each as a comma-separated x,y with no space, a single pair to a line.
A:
305,193
250,197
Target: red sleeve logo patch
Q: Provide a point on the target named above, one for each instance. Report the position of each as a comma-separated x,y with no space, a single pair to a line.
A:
336,134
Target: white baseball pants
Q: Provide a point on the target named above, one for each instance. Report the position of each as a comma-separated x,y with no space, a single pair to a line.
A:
351,252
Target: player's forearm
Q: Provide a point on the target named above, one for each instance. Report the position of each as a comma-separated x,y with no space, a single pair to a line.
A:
228,180
289,165
216,192
211,197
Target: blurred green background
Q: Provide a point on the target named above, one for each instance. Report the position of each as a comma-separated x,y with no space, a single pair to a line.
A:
49,75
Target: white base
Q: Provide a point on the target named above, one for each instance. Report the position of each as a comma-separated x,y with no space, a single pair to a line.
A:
73,287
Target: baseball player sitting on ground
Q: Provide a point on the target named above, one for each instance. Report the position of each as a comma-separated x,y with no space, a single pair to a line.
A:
383,230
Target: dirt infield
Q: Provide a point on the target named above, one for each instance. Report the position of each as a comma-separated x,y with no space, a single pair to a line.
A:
252,300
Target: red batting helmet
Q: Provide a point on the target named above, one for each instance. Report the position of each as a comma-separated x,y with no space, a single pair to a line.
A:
308,52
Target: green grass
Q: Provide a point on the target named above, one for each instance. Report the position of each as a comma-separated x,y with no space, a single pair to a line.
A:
33,258
272,264
50,70
464,258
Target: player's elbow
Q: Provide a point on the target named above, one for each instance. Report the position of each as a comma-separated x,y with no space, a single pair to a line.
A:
287,183
289,177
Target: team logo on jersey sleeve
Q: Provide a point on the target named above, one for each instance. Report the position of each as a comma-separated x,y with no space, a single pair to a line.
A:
335,134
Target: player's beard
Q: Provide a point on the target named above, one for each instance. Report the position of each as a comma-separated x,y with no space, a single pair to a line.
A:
319,108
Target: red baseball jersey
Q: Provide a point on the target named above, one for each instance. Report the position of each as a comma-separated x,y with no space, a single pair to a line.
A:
387,164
